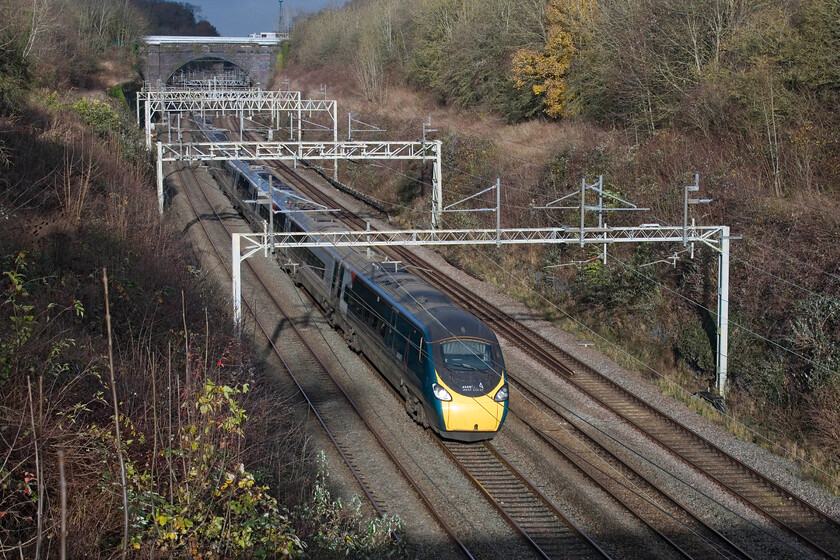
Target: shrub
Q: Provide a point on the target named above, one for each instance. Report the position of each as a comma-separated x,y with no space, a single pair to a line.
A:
218,510
814,334
339,531
695,347
14,76
117,93
97,115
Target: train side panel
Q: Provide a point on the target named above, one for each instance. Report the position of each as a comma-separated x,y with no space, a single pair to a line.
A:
382,332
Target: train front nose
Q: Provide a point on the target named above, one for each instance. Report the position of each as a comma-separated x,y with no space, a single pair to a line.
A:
465,413
479,414
470,391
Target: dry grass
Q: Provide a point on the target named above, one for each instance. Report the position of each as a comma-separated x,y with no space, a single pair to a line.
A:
408,107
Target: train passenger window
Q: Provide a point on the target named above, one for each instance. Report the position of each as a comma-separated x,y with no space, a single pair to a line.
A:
415,356
309,259
371,309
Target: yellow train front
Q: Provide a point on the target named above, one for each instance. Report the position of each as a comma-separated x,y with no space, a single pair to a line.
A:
466,389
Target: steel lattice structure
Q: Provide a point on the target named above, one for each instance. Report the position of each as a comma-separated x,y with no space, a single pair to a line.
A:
256,151
226,99
718,238
294,151
237,101
708,235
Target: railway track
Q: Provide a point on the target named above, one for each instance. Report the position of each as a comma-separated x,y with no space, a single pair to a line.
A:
538,520
797,517
352,438
541,524
687,535
804,522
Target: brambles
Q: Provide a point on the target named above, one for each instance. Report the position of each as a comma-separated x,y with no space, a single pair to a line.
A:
196,470
338,530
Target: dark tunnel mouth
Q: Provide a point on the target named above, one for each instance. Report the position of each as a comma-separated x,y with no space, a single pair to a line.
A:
206,67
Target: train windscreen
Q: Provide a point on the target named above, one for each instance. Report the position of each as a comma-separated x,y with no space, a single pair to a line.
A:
470,366
464,354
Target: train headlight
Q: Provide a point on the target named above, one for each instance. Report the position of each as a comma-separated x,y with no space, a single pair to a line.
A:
501,394
440,393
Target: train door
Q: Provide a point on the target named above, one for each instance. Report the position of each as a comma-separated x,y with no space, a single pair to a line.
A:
402,343
391,329
346,280
335,284
279,219
414,356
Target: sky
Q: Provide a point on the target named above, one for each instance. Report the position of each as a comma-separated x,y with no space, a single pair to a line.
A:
239,18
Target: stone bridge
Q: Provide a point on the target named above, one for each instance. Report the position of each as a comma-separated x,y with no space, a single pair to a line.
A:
256,56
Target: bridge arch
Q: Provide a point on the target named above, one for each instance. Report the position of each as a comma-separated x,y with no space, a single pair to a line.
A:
256,56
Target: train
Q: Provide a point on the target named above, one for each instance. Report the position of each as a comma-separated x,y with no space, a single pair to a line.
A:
446,364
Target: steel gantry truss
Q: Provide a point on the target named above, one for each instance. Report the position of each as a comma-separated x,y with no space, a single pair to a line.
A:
231,79
240,102
180,102
718,238
294,151
220,99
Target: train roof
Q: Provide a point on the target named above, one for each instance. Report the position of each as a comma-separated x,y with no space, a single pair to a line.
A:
431,307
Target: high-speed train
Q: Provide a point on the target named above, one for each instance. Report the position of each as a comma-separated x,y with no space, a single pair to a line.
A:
446,363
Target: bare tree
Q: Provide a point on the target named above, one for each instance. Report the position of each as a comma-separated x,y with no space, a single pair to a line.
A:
107,22
44,14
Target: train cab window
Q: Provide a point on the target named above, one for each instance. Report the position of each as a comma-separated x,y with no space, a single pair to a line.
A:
466,354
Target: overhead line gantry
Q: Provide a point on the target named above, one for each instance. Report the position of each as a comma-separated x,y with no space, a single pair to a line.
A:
242,101
295,151
179,102
717,238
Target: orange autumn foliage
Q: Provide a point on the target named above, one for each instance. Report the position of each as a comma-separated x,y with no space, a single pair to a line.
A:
545,71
